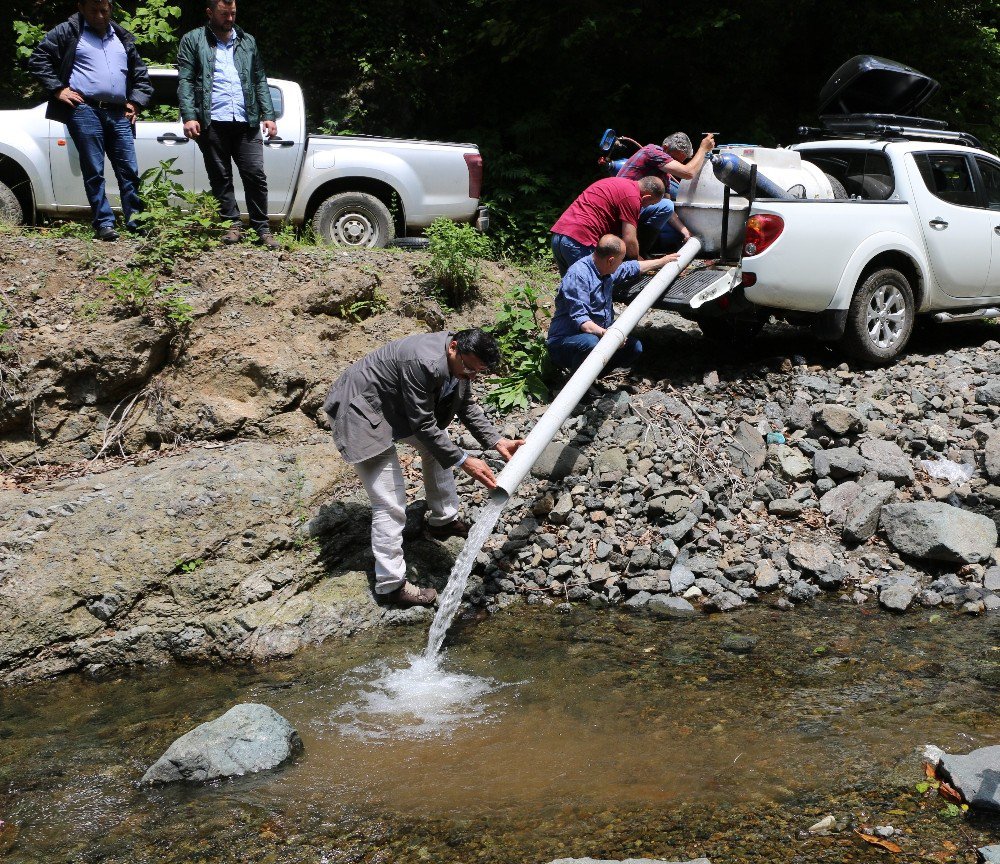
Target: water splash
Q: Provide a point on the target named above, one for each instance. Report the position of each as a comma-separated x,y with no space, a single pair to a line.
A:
416,701
451,597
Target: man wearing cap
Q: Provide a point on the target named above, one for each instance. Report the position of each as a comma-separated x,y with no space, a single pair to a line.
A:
409,391
660,229
96,82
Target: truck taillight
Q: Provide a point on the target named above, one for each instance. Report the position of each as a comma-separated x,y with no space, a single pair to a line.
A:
475,163
762,230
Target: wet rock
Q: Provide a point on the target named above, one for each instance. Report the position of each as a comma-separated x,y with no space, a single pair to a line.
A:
976,775
940,532
862,516
665,606
557,461
897,598
802,591
739,643
246,739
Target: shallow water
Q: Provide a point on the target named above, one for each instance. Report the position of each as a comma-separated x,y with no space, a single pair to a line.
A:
539,736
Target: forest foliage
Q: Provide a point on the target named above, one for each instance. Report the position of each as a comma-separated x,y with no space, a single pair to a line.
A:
534,85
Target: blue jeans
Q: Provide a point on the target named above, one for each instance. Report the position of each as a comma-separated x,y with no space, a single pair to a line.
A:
570,351
96,131
656,235
567,252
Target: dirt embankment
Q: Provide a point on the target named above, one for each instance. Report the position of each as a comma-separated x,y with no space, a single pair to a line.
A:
215,523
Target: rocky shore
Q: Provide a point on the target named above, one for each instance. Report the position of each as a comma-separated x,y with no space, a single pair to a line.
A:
175,496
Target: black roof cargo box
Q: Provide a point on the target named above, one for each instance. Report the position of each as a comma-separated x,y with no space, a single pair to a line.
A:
867,84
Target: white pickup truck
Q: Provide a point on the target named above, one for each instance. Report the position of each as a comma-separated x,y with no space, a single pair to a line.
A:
355,190
887,217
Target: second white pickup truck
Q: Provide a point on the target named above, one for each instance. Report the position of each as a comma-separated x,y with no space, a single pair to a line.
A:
907,223
354,190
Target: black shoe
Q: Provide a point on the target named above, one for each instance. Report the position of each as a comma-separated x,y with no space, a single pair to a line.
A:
455,528
106,233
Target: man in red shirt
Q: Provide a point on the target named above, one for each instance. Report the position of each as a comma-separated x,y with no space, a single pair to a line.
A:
609,206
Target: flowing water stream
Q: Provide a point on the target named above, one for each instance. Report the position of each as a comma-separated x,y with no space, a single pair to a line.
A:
537,735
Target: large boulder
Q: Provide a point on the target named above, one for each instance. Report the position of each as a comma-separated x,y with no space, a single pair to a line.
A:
976,776
558,461
940,532
246,739
862,516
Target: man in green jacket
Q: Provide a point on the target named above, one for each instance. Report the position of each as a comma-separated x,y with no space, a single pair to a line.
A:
224,100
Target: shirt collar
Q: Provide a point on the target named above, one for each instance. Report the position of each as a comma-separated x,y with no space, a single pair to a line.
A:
109,34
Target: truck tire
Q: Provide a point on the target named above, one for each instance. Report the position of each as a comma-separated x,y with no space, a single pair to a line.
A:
11,212
411,242
880,318
839,191
353,219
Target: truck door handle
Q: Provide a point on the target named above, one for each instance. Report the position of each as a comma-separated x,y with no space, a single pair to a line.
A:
996,229
938,224
171,138
279,142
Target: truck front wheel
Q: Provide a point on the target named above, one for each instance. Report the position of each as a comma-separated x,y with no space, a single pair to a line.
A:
11,212
353,219
880,318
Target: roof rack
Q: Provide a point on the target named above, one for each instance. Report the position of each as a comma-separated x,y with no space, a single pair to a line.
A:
882,126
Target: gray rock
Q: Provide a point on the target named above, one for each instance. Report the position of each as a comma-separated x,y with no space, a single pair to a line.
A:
802,591
785,507
989,854
672,505
724,601
611,460
789,462
835,503
563,507
888,461
246,739
626,861
747,448
989,393
766,576
557,461
862,518
991,457
839,419
897,598
812,557
976,776
838,462
666,606
940,532
639,600
739,643
991,579
681,578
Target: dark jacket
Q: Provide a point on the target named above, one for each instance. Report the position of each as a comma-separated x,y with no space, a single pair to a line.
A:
196,69
395,392
52,64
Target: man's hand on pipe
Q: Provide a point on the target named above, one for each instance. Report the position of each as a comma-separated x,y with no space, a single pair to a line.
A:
507,447
479,471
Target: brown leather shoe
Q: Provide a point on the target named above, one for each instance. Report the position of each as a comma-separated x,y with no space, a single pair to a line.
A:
455,528
409,594
233,235
269,241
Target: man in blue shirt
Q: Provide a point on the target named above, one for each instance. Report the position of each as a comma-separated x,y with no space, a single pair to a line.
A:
584,310
96,82
224,100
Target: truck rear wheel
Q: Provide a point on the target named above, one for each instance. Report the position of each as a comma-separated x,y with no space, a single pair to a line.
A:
11,212
880,318
353,219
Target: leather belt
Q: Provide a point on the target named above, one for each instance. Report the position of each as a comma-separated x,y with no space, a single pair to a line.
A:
98,103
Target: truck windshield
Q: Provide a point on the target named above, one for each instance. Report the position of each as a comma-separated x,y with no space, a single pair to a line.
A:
865,174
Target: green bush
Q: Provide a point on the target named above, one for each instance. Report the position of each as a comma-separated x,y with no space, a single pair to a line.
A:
131,290
524,357
456,251
177,222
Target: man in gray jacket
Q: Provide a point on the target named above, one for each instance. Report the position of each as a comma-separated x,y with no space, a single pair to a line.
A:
410,390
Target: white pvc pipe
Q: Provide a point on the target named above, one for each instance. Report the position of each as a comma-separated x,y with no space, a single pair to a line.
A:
613,339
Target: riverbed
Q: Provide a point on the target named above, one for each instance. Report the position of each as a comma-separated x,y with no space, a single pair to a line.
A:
555,734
